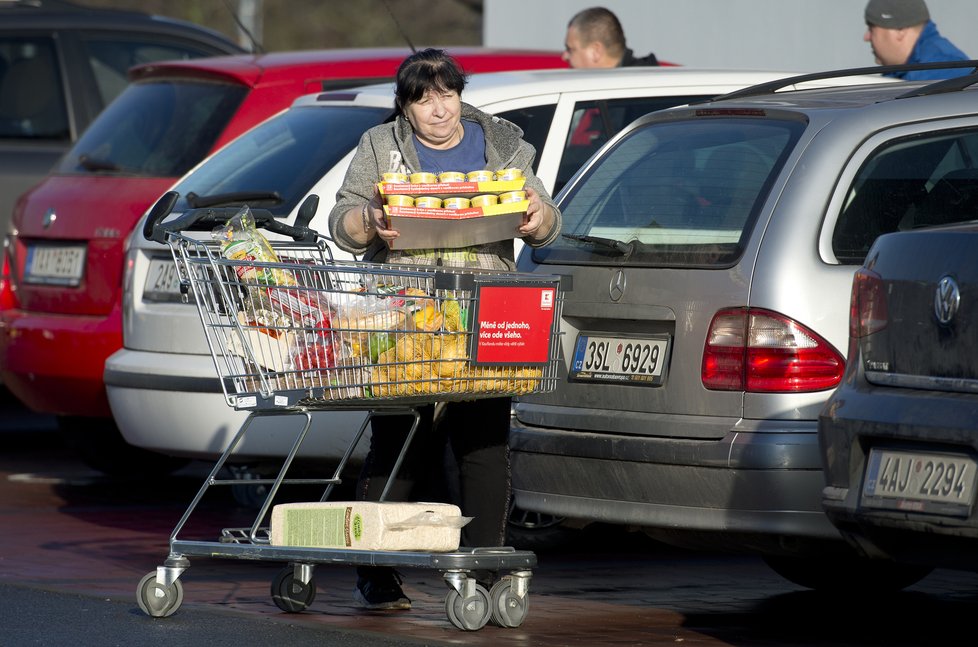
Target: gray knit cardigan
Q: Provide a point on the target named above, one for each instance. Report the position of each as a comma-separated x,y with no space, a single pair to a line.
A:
505,148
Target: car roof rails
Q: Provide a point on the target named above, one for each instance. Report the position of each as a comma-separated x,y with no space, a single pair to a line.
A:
938,87
954,84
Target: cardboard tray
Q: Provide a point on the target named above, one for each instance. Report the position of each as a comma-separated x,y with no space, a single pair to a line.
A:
422,228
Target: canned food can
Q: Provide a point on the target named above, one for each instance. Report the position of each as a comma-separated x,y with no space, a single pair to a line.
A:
400,201
424,178
507,174
427,202
451,176
512,196
480,176
486,200
395,178
456,203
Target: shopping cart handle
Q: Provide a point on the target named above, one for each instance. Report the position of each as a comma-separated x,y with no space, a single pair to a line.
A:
152,230
298,233
306,212
210,217
203,219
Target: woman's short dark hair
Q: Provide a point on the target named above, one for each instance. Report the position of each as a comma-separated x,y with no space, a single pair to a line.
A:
428,69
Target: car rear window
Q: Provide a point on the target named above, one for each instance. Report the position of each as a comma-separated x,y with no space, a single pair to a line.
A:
673,194
276,163
157,129
909,183
111,55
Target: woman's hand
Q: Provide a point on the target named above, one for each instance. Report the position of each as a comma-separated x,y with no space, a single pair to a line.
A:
539,216
375,212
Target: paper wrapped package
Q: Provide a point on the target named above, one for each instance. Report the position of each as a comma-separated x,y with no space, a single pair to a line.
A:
364,525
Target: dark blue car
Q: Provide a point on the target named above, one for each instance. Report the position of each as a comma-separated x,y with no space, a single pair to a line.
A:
899,437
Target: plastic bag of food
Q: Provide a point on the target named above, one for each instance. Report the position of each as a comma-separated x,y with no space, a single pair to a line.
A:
242,242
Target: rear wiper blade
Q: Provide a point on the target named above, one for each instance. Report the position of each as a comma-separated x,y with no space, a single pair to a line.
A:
202,201
608,243
95,164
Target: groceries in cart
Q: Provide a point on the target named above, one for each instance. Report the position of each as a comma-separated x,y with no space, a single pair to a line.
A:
241,241
354,330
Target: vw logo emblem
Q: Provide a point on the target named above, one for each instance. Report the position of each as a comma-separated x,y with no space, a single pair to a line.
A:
49,218
946,300
617,288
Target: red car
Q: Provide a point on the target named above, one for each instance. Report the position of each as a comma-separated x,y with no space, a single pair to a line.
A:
61,285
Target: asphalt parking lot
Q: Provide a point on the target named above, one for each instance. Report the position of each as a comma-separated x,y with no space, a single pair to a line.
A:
76,544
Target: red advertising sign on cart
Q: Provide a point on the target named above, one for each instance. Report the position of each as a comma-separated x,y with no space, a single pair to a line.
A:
514,322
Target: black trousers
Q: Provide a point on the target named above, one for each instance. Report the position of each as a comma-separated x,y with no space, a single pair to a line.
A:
461,458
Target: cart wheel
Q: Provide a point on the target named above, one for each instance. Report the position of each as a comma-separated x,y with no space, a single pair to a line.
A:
156,600
508,609
470,614
291,595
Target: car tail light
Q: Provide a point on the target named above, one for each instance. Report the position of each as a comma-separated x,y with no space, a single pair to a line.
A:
759,351
867,304
7,300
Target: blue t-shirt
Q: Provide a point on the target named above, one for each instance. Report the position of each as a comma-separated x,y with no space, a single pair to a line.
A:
468,155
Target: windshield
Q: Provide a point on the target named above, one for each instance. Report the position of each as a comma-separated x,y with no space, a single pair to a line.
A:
276,163
674,193
158,129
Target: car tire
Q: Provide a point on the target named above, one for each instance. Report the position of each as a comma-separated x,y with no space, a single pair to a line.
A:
536,531
100,445
847,573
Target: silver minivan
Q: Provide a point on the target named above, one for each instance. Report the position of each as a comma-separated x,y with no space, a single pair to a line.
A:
710,250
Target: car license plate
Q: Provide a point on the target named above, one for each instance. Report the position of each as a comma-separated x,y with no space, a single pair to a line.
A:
636,360
55,264
162,281
919,481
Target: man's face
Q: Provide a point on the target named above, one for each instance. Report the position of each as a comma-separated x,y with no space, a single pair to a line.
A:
889,45
576,53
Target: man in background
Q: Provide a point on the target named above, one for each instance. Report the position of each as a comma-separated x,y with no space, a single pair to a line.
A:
595,39
901,31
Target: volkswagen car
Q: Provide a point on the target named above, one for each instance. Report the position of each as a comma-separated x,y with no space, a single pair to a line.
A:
899,437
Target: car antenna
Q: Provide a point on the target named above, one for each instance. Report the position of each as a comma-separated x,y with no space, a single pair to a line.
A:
414,50
255,45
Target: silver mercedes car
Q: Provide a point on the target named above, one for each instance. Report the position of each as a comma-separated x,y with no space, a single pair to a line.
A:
710,251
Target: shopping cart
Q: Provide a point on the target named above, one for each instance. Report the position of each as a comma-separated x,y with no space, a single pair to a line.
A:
292,331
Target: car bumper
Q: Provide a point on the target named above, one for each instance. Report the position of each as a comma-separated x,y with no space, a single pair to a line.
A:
757,486
860,418
54,363
173,404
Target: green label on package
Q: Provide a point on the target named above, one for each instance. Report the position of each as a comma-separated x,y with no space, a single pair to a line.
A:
317,527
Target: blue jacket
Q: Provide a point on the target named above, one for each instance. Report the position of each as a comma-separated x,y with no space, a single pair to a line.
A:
931,47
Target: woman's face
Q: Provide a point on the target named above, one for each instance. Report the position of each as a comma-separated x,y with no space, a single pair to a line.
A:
436,118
